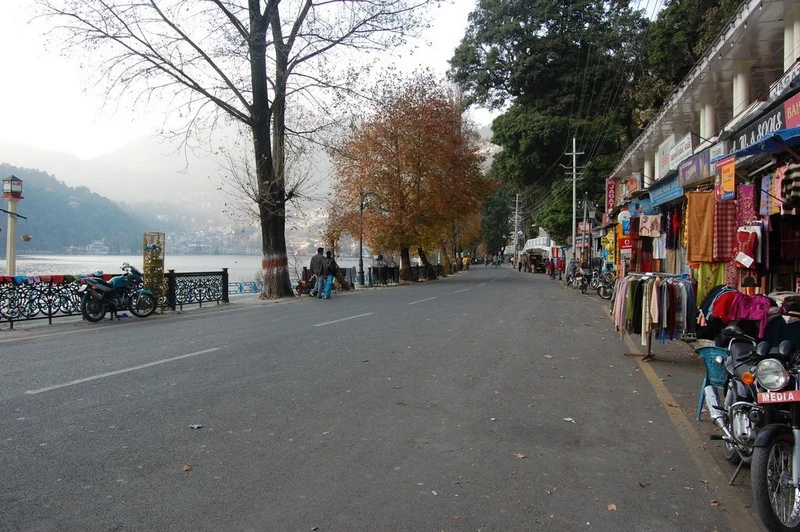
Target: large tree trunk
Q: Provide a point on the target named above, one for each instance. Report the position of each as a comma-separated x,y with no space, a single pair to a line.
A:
269,158
430,273
405,264
446,265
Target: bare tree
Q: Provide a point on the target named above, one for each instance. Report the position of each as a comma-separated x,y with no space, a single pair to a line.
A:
239,61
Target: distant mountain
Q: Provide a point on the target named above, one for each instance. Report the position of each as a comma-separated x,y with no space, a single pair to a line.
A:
59,216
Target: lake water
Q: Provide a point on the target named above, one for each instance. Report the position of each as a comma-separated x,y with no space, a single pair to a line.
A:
240,267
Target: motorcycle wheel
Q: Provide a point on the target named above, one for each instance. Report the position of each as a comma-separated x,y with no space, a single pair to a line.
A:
142,305
92,309
604,291
778,503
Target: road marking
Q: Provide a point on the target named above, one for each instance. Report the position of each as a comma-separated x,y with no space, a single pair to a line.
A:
462,290
422,300
482,284
118,372
343,319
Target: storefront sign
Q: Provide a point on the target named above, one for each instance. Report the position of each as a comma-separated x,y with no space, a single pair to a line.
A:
782,86
641,206
663,159
694,169
792,109
631,185
769,123
725,185
719,150
680,151
666,190
611,194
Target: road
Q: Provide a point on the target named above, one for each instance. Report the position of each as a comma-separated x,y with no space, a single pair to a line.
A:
489,400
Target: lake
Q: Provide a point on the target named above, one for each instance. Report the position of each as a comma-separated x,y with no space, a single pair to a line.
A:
240,267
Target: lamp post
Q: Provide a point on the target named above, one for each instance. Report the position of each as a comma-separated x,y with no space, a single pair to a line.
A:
12,192
362,196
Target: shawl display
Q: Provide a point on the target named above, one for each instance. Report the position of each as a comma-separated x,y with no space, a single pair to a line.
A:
700,226
724,230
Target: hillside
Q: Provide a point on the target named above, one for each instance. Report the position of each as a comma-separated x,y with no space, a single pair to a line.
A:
59,216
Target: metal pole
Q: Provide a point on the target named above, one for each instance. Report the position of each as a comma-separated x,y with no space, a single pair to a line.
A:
516,231
574,178
361,238
11,240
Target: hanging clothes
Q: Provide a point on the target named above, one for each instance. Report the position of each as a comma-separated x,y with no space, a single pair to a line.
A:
700,226
724,230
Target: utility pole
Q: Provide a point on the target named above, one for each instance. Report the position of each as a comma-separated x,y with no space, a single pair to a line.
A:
516,230
574,179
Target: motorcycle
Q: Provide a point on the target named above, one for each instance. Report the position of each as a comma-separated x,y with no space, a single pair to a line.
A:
735,412
121,292
775,465
605,284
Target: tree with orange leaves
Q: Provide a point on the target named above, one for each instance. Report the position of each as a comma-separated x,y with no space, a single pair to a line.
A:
410,173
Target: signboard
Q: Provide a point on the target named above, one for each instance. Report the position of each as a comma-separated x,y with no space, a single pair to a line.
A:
719,150
611,194
769,123
725,186
792,109
695,169
662,159
641,206
680,151
782,86
665,191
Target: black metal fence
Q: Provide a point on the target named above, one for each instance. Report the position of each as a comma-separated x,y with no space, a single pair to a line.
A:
48,297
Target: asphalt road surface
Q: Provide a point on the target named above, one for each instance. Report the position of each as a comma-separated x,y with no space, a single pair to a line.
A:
489,400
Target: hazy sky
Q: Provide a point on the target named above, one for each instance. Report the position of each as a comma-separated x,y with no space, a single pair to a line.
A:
47,101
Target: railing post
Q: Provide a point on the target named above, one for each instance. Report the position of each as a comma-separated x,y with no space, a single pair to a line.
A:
225,285
171,296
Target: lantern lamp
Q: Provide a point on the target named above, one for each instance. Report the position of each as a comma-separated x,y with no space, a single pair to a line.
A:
12,188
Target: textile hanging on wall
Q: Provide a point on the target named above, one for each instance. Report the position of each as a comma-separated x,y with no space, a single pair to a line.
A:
791,184
700,226
724,230
745,204
790,238
708,276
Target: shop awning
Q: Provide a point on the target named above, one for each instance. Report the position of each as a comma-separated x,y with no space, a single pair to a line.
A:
783,140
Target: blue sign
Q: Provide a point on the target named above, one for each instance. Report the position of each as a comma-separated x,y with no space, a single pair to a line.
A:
695,168
665,190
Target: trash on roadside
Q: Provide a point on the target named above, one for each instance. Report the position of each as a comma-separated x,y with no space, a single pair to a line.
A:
195,426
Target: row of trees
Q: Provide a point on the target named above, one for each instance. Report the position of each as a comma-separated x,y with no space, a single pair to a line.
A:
409,175
595,70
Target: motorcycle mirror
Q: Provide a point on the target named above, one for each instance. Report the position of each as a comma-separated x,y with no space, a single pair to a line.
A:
785,349
762,349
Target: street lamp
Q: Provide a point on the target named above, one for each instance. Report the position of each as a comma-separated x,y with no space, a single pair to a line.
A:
12,192
362,197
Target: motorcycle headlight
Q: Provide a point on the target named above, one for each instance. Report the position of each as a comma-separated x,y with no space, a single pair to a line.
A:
771,374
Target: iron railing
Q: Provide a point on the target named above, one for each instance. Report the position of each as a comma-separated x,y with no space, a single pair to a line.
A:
48,297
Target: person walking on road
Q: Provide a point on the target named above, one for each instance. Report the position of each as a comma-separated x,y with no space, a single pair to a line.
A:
329,268
316,269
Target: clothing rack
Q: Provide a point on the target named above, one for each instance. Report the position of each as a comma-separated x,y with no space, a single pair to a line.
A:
649,341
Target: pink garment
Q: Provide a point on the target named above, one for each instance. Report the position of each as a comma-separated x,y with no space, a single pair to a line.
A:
754,308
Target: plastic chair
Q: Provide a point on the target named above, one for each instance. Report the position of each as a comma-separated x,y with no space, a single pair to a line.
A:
716,375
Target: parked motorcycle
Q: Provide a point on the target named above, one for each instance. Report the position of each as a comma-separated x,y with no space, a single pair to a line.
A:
775,466
121,292
733,407
605,284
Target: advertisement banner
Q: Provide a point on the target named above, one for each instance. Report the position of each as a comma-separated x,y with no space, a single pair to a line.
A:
695,168
725,185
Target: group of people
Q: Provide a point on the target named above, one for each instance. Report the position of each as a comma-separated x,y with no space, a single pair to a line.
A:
324,268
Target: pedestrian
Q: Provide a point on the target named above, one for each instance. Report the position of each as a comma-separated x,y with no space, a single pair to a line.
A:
316,269
329,269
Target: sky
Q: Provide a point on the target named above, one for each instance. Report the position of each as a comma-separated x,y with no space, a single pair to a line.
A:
48,105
